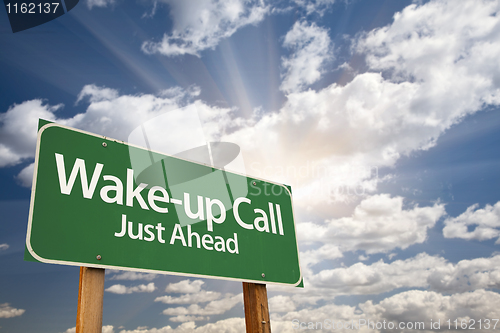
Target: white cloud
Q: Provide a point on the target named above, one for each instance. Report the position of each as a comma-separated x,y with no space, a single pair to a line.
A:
198,297
121,289
185,287
97,94
284,324
422,306
192,295
25,177
108,329
281,303
186,327
184,318
448,50
311,49
200,25
132,276
486,222
230,325
18,130
216,307
412,306
435,64
108,114
105,329
117,115
6,311
440,42
378,224
422,271
99,3
310,258
466,275
4,246
378,277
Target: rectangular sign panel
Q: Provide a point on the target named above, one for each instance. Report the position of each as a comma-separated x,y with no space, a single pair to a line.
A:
100,202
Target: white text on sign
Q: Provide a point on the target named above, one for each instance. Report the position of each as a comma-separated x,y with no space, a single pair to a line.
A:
113,191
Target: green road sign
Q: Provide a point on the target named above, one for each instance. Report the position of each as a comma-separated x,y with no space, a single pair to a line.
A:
100,202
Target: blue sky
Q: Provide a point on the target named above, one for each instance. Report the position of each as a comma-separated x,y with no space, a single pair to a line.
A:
389,108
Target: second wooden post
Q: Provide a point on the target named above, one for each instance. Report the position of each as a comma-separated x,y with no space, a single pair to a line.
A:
256,308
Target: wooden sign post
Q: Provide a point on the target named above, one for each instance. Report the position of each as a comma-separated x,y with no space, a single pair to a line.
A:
256,308
90,299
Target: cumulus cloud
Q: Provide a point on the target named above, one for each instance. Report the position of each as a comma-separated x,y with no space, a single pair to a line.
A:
184,318
281,303
311,49
445,49
6,311
192,294
97,94
486,223
108,113
132,276
421,271
441,42
4,246
216,307
198,297
422,306
200,25
115,117
435,64
414,306
18,130
378,277
25,177
378,224
310,258
230,325
108,329
466,275
121,289
185,287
